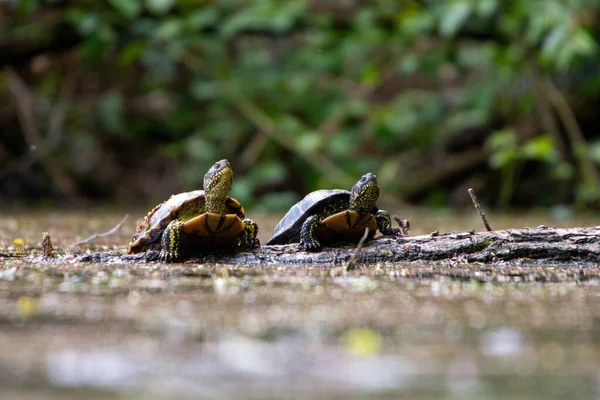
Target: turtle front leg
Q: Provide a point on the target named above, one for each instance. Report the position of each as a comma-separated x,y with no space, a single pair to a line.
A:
308,235
170,242
249,240
384,223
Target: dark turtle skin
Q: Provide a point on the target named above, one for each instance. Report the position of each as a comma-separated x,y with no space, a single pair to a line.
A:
333,216
197,219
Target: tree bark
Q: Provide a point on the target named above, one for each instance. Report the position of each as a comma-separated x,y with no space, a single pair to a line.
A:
573,245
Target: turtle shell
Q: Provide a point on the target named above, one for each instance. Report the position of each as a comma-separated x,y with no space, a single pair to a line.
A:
183,206
288,229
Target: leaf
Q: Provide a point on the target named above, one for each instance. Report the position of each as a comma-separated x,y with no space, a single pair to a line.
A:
555,38
502,158
562,171
409,64
485,8
502,139
159,6
370,75
309,142
503,148
268,171
593,151
269,14
341,145
583,43
168,29
202,18
86,23
132,52
413,22
204,90
540,148
454,18
587,193
128,8
94,47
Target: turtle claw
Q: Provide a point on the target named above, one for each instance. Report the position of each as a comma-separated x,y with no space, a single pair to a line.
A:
311,245
168,256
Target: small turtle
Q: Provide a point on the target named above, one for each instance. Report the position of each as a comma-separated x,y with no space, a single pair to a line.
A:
199,218
334,215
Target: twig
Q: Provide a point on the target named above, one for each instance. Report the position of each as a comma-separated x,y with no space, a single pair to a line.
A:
452,166
404,225
25,103
253,149
47,247
331,125
479,209
547,119
270,128
567,117
103,234
358,246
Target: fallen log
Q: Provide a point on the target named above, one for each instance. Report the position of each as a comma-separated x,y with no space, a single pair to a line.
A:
545,244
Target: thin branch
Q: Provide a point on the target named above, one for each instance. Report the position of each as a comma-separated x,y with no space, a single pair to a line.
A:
547,119
351,90
567,117
25,110
319,162
451,165
47,247
403,224
322,164
331,125
103,234
252,151
479,210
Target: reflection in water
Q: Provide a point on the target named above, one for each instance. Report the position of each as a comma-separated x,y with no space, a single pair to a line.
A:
95,367
231,366
305,337
501,342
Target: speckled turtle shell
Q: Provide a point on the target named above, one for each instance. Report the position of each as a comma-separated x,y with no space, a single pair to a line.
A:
288,229
183,206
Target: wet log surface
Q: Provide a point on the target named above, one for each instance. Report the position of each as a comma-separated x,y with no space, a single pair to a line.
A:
542,244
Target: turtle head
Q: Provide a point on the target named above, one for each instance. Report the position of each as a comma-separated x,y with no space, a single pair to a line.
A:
364,195
218,179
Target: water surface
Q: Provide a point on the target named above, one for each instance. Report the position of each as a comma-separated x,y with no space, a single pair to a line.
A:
152,331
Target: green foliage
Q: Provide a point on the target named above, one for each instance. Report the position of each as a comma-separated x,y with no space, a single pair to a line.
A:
508,155
301,88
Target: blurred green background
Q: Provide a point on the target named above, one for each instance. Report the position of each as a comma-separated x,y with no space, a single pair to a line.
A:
129,101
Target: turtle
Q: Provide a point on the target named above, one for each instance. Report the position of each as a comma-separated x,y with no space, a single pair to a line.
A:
201,218
334,215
